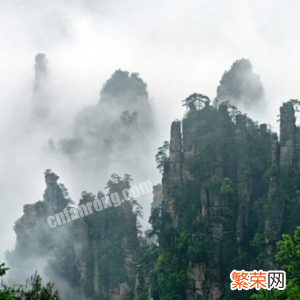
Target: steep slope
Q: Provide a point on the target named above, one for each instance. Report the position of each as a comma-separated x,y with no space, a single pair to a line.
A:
90,258
230,189
108,130
240,85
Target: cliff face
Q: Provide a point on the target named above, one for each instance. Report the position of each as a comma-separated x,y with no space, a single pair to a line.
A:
41,97
35,240
106,247
94,256
40,68
230,189
125,92
240,85
106,131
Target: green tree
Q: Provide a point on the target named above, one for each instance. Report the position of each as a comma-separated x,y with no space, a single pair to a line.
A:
195,101
289,256
162,156
33,289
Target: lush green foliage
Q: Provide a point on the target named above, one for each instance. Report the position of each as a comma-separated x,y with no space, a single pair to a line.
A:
33,289
162,156
123,83
230,160
289,256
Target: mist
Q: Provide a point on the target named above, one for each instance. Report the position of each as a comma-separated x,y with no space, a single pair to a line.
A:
177,47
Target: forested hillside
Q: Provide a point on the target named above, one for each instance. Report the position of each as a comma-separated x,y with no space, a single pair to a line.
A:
230,188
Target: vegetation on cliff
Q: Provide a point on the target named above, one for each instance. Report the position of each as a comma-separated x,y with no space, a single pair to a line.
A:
229,194
33,289
95,256
230,190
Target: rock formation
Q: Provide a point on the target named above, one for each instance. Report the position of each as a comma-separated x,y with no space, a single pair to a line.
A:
41,97
108,129
94,256
240,85
234,184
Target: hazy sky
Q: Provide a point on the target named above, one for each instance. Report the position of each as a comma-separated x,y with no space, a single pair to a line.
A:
178,47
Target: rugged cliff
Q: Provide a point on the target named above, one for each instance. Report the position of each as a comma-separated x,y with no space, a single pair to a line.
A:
104,132
230,189
240,85
90,258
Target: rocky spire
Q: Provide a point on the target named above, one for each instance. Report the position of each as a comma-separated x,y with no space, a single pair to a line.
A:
175,143
51,192
282,154
41,96
240,85
40,68
287,133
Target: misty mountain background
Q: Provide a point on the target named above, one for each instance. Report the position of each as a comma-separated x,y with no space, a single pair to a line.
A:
177,48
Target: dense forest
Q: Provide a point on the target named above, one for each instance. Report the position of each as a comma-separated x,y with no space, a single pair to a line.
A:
229,198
